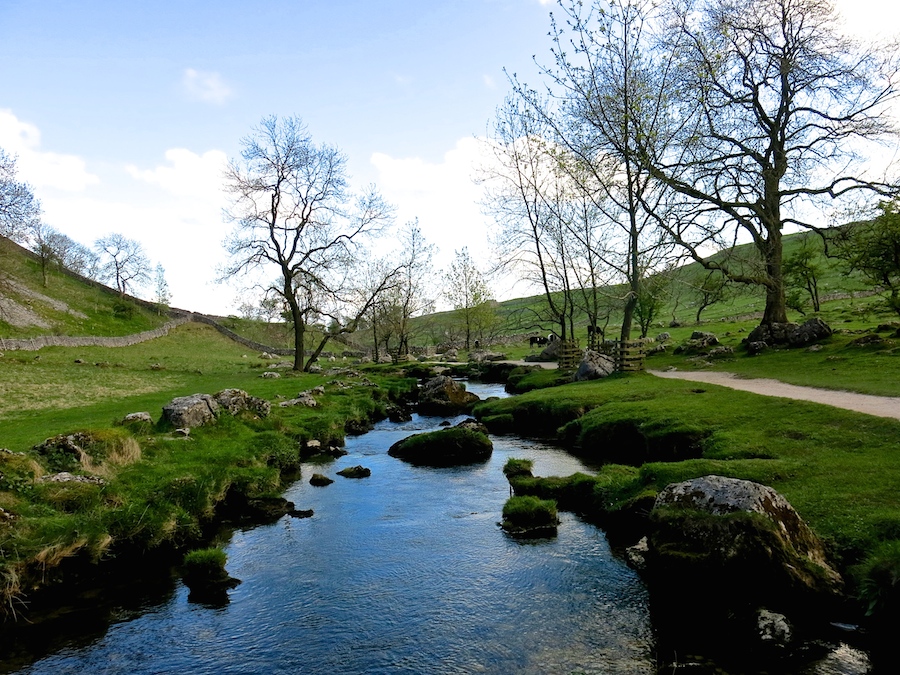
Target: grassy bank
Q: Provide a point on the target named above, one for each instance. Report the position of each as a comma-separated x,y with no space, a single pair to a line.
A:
840,470
159,492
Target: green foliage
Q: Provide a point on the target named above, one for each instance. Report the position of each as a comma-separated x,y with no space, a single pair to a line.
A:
277,450
517,467
124,310
873,249
204,562
878,578
529,511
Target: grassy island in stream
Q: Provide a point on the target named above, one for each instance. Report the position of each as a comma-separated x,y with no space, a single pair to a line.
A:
159,493
839,469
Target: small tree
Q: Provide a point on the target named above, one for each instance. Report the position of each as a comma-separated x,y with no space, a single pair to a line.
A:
710,287
802,271
162,294
873,249
467,292
122,261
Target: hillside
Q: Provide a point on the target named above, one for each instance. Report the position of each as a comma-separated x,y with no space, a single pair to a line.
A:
68,305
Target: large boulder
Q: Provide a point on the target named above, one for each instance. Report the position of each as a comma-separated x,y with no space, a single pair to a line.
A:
447,447
734,544
191,411
789,334
442,395
238,400
594,366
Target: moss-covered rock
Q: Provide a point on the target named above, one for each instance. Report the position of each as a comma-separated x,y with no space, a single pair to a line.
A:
446,447
355,472
443,395
529,516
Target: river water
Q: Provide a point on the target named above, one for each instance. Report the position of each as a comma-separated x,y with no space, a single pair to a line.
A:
405,571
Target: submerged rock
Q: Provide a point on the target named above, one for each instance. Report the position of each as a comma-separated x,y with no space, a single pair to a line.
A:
355,472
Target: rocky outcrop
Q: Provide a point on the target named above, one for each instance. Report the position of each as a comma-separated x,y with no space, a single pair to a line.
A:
735,543
137,418
594,366
700,343
787,335
237,400
443,395
320,480
446,447
191,411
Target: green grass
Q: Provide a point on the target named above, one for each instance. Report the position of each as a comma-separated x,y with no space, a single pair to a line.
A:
529,512
840,470
68,305
159,492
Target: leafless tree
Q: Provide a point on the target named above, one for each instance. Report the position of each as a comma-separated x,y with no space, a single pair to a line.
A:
292,210
606,100
470,296
122,261
19,208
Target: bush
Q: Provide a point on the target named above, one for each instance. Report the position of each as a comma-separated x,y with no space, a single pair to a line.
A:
879,586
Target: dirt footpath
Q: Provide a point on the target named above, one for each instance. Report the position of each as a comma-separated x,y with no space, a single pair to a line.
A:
880,406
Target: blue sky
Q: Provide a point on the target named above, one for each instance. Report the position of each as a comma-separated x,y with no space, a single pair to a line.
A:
122,112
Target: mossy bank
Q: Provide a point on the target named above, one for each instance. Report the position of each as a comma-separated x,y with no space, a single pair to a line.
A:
839,469
142,491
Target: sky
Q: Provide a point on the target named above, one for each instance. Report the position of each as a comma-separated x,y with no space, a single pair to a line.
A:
123,114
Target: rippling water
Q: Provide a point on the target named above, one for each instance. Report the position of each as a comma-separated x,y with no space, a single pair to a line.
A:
403,572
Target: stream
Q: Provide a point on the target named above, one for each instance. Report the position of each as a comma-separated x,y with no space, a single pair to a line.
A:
406,571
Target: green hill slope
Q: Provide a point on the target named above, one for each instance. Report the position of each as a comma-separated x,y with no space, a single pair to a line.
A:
68,305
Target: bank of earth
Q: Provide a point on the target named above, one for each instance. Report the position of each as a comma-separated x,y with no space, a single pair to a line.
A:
839,469
97,502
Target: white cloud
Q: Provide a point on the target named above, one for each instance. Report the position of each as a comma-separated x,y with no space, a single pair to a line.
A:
187,173
208,87
41,168
489,81
445,199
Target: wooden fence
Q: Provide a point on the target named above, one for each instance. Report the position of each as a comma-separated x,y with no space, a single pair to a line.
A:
569,354
628,354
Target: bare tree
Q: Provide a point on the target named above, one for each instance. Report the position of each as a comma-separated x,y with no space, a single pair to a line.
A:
391,316
527,193
19,208
776,109
292,210
122,261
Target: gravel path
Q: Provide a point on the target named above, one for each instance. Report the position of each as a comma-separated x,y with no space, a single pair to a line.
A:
881,406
